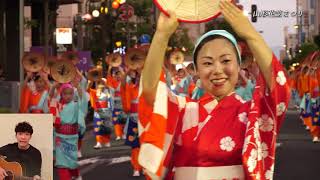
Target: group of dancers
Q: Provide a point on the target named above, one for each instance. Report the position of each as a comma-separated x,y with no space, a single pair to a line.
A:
305,85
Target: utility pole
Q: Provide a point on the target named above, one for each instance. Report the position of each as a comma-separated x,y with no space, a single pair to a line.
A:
80,24
298,24
46,27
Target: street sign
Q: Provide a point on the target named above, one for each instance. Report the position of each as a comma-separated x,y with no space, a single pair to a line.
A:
85,62
254,17
64,35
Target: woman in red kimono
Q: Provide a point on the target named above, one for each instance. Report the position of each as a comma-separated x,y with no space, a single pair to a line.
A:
220,136
129,89
118,116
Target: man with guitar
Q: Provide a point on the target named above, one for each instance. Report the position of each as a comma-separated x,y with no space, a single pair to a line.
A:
22,152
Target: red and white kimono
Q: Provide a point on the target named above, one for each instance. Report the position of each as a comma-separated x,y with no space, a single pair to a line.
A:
207,139
32,101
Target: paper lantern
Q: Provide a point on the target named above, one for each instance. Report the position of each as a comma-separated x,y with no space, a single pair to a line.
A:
115,4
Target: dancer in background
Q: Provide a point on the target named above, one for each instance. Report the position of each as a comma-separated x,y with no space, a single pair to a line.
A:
102,103
130,87
69,121
34,93
245,86
118,116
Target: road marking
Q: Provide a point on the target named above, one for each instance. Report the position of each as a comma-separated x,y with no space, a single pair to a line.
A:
119,160
89,161
97,161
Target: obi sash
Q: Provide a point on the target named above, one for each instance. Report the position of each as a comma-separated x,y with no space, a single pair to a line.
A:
134,106
67,129
234,172
101,104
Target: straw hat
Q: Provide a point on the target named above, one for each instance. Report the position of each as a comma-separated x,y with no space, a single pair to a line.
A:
49,63
63,71
114,59
193,11
135,58
33,62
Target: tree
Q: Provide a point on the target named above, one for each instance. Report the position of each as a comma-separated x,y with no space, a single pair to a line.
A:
305,50
316,40
181,39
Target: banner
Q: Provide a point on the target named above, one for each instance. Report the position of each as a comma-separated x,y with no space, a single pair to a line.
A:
85,62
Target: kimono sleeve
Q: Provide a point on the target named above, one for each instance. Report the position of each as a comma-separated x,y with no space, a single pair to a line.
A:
24,99
111,82
92,94
265,116
83,106
157,124
44,102
125,96
111,98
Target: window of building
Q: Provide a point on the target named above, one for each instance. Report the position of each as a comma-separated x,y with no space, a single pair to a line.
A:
312,4
312,19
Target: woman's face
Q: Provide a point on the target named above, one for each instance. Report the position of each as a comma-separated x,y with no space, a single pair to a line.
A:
181,73
133,73
40,85
217,67
117,75
67,95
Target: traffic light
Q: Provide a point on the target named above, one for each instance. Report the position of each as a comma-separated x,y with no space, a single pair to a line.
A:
104,8
254,13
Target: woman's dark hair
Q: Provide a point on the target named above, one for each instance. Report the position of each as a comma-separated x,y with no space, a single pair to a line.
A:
24,127
203,42
305,69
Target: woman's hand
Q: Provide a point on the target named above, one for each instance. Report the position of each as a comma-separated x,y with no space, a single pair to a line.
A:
239,22
167,25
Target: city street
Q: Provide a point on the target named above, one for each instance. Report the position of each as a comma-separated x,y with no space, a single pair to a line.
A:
297,156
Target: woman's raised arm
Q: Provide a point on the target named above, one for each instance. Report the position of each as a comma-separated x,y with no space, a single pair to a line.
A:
153,65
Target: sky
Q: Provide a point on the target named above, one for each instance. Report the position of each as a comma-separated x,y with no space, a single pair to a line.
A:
272,27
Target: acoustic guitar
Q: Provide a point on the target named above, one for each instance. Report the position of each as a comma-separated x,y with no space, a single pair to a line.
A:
14,170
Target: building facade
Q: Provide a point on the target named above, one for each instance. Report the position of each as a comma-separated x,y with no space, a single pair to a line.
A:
309,22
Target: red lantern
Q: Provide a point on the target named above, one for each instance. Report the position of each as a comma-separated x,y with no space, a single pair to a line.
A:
115,4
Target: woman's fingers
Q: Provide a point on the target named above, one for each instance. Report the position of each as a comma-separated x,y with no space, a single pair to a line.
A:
172,14
234,9
225,11
229,9
225,14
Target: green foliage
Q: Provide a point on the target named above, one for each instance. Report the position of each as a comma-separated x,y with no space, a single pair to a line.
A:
306,49
144,28
30,23
5,110
181,39
142,8
316,40
287,62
